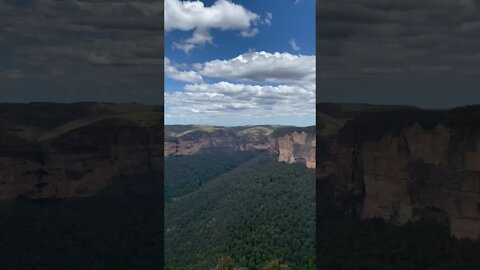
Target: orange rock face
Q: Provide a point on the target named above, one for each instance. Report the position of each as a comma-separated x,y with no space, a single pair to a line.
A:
290,148
79,164
296,147
83,162
413,174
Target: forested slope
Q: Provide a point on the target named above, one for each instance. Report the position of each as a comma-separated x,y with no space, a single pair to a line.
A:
260,211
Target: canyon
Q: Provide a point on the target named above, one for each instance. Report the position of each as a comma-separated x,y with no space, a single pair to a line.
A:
404,165
77,150
287,144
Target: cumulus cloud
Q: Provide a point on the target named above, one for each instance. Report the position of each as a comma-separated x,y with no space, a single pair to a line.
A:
268,85
184,76
263,67
225,99
294,45
194,15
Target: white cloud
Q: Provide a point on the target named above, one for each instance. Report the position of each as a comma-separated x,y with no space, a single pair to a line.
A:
263,67
194,15
294,45
298,2
268,19
184,76
254,84
250,33
225,99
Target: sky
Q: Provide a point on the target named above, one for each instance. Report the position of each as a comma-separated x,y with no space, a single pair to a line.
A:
239,62
81,50
408,52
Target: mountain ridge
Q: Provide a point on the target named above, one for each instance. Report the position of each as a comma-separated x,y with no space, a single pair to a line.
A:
291,144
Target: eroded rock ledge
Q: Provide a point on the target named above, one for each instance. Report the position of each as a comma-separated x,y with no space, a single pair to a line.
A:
408,171
80,163
290,146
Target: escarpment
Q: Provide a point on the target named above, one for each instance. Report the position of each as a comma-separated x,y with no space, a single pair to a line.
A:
295,147
81,163
80,156
289,145
408,168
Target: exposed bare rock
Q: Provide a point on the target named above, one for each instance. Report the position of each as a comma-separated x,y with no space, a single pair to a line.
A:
408,171
418,173
80,163
296,147
290,146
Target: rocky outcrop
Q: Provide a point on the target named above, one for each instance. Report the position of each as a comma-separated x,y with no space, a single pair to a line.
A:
291,147
80,163
295,147
407,173
84,161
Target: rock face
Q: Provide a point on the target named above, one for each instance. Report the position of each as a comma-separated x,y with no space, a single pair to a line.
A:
79,163
407,173
295,147
83,161
290,147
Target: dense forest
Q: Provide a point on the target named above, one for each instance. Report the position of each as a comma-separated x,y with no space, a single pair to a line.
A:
121,228
354,244
261,212
184,174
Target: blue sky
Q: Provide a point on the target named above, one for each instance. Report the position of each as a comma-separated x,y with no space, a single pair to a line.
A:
240,62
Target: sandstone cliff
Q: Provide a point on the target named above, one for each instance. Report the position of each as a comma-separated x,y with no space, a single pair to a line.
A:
288,144
79,164
77,150
407,169
76,156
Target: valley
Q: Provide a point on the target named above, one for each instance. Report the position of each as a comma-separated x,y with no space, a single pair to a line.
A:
245,193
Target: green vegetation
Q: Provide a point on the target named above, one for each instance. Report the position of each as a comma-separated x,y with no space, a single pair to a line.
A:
227,263
114,230
184,174
374,124
259,212
275,265
353,244
349,110
173,132
328,125
280,132
350,243
256,131
36,122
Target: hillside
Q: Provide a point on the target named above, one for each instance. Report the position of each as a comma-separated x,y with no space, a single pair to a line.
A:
175,131
37,121
259,211
185,174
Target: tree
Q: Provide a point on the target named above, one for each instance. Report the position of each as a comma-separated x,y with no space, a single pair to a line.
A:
275,265
226,263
